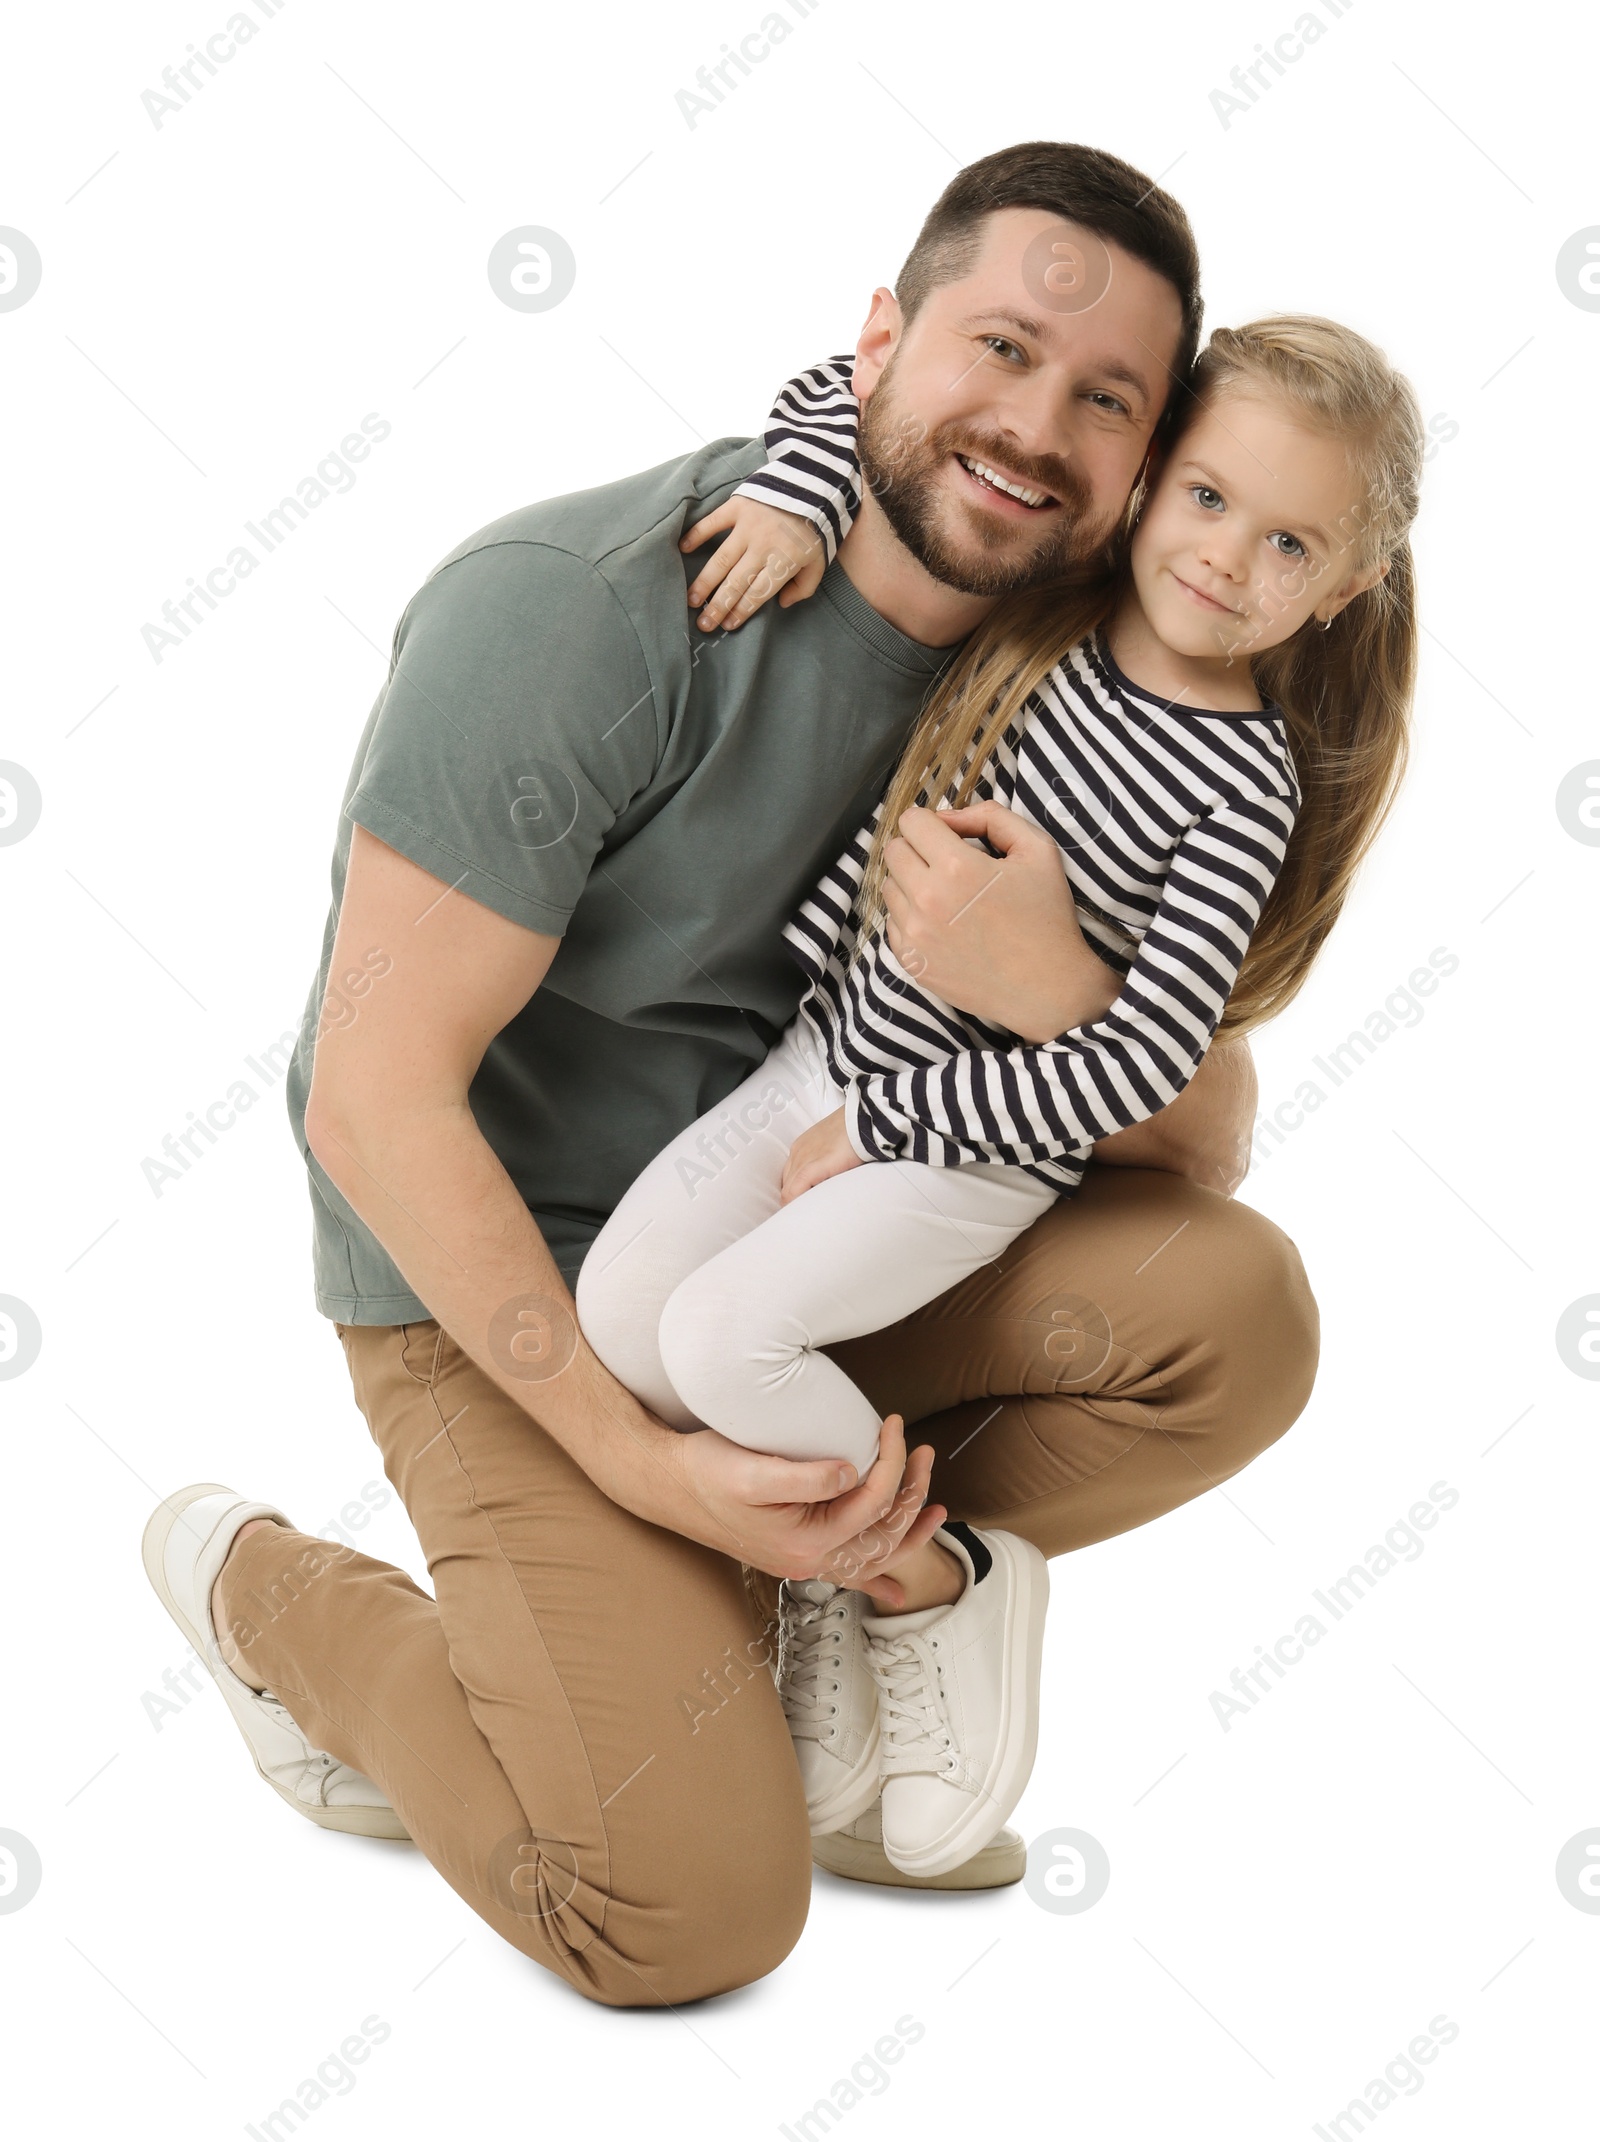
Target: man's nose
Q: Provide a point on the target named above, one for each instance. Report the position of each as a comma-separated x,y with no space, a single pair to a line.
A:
1037,415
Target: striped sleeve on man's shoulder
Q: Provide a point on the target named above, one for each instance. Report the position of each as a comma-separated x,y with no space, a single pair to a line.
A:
810,439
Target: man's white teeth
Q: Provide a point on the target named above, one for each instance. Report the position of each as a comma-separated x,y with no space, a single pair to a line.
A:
1013,490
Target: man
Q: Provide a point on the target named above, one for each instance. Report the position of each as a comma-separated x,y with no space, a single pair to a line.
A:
573,833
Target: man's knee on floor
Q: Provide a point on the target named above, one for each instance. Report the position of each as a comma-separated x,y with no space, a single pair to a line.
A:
727,1932
706,1935
708,1960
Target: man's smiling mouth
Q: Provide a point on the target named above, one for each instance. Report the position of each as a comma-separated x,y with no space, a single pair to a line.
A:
1024,494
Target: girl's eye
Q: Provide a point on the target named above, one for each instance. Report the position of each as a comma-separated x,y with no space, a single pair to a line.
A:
1286,545
1205,498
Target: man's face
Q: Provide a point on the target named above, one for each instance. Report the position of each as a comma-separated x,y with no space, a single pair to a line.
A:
1004,427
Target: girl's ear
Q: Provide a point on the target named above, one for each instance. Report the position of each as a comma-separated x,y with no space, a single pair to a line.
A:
1357,584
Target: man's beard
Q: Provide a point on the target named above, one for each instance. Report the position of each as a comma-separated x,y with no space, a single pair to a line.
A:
902,472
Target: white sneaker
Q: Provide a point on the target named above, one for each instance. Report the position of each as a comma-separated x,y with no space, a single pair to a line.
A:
856,1852
186,1543
958,1693
830,1700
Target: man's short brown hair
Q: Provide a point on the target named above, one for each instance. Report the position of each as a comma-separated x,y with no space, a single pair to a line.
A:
1084,186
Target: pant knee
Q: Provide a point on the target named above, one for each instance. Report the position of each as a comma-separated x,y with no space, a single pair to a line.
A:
721,1346
1262,1328
721,1959
694,1945
743,1908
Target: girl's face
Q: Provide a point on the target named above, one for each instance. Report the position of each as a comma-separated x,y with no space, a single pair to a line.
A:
1253,526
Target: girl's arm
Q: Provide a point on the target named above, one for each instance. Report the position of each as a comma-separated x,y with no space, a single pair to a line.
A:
782,527
810,439
1040,1102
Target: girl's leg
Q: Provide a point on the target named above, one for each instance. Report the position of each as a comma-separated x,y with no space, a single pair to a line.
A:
741,1335
715,1182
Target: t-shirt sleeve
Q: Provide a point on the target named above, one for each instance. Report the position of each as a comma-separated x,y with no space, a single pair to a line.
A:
519,721
810,437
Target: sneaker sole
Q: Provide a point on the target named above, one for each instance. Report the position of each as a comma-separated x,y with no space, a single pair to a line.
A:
353,1821
1001,1862
1019,1722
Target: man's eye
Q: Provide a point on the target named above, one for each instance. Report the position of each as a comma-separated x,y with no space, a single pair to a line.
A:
1204,497
1002,347
1287,546
1110,402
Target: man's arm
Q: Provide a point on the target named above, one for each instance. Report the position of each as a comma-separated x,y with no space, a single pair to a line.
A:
388,1118
1001,940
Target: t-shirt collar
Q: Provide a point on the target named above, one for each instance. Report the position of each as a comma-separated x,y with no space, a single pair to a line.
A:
868,625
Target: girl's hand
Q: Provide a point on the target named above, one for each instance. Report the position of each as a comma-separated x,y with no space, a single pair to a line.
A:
816,1154
763,551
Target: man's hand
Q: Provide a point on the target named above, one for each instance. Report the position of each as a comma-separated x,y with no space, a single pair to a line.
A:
1001,940
789,1517
816,1154
996,938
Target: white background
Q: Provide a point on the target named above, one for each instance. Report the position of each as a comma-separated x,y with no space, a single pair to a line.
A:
1374,1844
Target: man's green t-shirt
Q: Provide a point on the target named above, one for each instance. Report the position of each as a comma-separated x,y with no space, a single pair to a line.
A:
558,741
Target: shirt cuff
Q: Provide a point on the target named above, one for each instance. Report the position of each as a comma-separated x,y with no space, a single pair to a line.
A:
782,495
866,1141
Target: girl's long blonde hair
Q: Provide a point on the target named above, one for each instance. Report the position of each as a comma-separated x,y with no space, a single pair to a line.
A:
1345,693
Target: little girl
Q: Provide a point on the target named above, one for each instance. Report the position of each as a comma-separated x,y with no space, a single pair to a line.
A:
1249,667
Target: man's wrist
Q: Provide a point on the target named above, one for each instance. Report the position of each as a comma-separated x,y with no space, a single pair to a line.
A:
634,1460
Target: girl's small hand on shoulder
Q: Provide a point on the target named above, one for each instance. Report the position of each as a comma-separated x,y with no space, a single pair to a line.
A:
763,550
816,1154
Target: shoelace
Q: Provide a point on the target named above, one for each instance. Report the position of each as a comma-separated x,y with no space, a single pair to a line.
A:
812,1639
278,1710
911,1708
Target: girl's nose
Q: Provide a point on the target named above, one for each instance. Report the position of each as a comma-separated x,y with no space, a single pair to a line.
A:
1220,555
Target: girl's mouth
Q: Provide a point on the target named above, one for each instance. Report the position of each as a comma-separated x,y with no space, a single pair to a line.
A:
1206,602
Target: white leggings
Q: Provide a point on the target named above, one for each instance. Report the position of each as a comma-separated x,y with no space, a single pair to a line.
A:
712,1302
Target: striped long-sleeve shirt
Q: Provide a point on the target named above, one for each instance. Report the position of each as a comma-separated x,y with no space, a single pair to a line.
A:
1172,823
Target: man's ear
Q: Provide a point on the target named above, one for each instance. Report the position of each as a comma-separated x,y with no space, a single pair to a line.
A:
877,342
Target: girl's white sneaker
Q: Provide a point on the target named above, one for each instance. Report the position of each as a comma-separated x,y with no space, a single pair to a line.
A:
958,1695
830,1700
186,1543
857,1854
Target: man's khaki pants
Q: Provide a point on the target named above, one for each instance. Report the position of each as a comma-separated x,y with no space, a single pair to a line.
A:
579,1729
